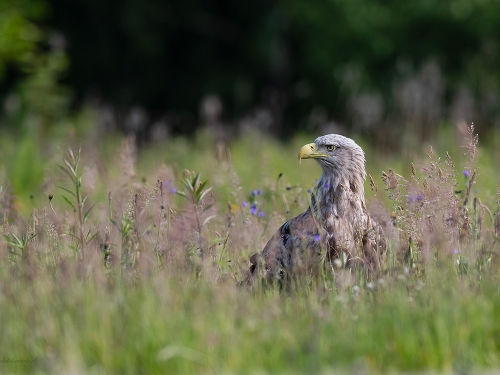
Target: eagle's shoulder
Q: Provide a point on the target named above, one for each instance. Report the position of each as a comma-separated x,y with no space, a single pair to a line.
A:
296,236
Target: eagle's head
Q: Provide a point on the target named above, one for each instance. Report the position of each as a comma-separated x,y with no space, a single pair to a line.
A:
340,158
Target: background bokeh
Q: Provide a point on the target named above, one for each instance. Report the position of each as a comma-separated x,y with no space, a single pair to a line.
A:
390,70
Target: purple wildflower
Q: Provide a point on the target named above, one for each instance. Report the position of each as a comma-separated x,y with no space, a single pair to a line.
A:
259,192
419,197
465,172
454,251
253,209
173,190
261,214
309,190
244,204
410,198
253,193
327,185
316,237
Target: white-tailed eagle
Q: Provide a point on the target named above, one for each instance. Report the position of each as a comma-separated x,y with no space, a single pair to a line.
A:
336,225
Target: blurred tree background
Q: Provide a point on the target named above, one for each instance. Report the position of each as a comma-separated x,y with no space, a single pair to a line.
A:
387,69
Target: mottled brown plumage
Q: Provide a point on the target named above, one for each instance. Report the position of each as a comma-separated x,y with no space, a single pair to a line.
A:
336,225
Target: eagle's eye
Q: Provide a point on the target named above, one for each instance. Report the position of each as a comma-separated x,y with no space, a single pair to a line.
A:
330,148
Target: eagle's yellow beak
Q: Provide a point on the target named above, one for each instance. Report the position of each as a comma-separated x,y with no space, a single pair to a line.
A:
309,151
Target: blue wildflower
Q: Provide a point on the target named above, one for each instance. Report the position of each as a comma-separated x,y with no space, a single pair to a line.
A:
419,197
253,209
244,204
465,172
316,237
253,193
259,192
327,185
261,214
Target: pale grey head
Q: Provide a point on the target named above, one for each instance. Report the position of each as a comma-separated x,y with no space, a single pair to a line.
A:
343,165
338,156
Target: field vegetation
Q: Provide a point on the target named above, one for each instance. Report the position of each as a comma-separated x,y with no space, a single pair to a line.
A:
142,162
126,261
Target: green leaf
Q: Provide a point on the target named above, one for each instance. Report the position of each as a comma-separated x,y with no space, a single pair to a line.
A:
19,242
78,156
88,212
73,178
196,180
12,243
188,185
70,167
70,151
200,188
207,220
69,202
67,190
87,240
72,235
207,207
75,248
205,192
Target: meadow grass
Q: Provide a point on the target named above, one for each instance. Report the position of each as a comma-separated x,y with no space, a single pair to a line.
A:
135,269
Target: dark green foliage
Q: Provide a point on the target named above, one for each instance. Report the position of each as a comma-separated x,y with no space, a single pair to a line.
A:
167,55
306,62
32,59
346,47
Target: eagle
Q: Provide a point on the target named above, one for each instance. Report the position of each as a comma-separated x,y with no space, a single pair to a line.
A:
336,228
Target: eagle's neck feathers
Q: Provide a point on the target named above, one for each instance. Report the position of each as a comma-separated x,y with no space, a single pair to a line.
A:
340,191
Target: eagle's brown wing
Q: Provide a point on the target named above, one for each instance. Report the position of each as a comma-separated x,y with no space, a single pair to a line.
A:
297,243
374,245
296,240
